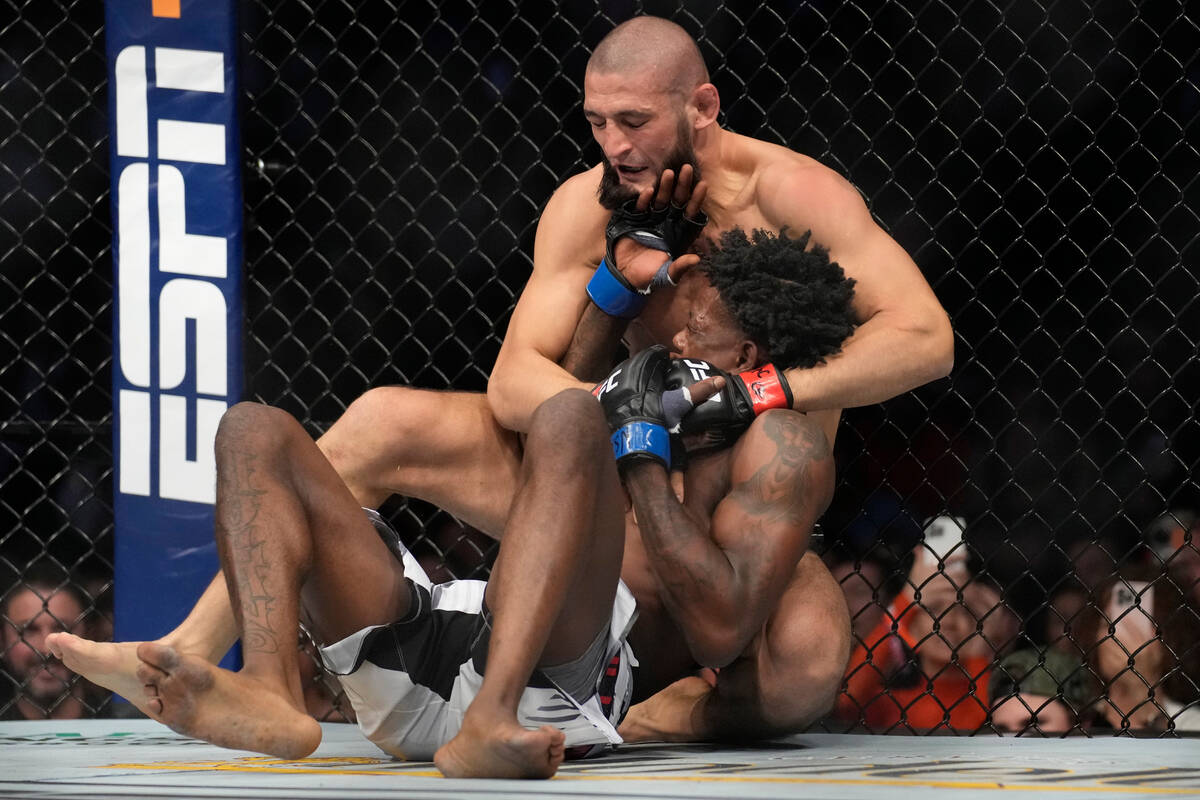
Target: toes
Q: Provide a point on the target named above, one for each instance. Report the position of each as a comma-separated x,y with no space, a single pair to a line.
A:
149,674
161,656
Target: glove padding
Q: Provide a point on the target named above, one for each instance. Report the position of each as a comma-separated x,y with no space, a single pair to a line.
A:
719,421
639,409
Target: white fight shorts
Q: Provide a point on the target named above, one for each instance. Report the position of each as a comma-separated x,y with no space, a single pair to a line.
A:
410,681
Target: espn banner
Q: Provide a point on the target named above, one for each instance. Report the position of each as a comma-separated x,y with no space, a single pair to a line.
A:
177,253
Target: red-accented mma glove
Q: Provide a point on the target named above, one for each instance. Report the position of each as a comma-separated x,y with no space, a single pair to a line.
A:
719,421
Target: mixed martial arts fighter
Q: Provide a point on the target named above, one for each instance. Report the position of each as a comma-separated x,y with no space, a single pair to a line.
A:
719,576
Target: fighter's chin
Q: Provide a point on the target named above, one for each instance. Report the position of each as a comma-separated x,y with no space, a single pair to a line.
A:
615,191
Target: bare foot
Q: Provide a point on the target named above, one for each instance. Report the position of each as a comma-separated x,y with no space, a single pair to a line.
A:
501,749
230,709
112,665
671,715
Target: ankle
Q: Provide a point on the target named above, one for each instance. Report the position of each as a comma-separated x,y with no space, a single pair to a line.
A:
193,645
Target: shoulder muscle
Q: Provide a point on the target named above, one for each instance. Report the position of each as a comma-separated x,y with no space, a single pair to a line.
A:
570,231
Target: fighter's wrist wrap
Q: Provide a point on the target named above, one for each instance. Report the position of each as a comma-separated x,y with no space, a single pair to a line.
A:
718,422
613,294
766,388
631,396
665,229
642,438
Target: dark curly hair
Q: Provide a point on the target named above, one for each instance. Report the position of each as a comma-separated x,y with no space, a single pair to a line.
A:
790,300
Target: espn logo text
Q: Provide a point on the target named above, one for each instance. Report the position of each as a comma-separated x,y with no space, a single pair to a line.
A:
165,274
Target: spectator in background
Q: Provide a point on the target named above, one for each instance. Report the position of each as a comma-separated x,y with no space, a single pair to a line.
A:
1174,540
1179,618
957,625
1093,562
1046,692
1128,655
926,633
952,683
1068,616
43,601
871,581
1145,640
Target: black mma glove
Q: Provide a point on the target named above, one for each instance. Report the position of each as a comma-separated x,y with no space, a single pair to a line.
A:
719,421
666,229
640,409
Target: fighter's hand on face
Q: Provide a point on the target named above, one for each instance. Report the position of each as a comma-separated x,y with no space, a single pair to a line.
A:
677,201
646,242
643,412
718,423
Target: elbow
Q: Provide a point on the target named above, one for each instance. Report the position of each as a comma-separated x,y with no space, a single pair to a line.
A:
934,340
717,646
499,399
942,347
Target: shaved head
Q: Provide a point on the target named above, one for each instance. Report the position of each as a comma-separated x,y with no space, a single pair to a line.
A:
651,46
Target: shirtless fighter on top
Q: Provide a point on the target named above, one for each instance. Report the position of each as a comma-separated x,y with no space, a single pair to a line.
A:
647,96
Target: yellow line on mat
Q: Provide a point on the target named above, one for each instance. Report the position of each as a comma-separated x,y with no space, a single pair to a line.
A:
226,766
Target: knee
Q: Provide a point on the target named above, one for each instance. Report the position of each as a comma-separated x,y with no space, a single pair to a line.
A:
570,422
255,426
381,407
393,413
802,677
796,695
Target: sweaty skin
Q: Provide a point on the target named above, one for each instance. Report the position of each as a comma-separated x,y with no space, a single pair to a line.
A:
638,117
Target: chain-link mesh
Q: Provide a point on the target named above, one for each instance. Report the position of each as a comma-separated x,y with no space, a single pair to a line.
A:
55,347
1036,159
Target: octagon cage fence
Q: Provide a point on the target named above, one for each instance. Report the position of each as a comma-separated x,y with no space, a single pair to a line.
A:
1027,524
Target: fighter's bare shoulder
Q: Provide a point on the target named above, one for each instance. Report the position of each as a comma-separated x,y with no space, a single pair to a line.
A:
576,199
783,433
572,219
795,188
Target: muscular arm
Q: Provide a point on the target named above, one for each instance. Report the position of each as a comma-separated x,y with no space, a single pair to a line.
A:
593,348
527,370
721,580
904,338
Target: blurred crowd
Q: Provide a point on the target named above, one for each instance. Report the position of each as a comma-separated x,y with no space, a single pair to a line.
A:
1112,643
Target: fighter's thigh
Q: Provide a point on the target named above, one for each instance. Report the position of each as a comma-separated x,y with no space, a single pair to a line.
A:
349,579
443,447
354,580
801,657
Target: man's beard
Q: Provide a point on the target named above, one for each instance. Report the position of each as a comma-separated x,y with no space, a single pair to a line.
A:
613,194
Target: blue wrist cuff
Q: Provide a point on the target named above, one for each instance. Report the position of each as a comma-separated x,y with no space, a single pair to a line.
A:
642,438
613,295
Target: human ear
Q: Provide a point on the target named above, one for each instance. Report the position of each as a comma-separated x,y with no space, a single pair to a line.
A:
748,355
707,103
